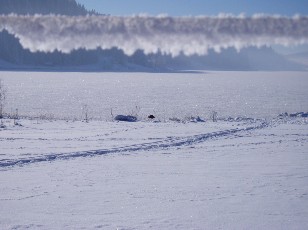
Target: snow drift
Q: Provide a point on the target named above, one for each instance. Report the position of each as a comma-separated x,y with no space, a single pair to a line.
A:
169,35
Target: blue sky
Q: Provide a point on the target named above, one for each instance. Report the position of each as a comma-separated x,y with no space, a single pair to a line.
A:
197,7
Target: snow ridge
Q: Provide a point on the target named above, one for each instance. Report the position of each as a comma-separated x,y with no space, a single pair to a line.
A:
169,142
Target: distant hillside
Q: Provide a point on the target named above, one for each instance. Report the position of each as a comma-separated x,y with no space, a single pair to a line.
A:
13,56
301,58
63,7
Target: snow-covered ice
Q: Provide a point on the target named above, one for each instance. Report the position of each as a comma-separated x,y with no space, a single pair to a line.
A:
65,173
64,95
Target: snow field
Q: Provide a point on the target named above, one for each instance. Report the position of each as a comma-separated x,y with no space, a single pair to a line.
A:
59,172
250,179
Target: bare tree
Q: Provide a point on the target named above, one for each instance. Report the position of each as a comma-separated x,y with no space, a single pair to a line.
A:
2,98
214,116
85,112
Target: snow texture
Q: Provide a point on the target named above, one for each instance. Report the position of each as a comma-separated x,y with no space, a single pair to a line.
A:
169,35
237,173
207,175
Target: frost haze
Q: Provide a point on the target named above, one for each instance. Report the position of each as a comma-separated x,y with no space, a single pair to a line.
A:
169,35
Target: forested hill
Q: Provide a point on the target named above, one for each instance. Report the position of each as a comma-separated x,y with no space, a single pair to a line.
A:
14,56
63,7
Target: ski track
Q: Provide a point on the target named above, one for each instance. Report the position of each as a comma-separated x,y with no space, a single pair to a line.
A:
157,145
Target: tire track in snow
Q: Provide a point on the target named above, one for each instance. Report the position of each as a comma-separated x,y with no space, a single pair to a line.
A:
162,144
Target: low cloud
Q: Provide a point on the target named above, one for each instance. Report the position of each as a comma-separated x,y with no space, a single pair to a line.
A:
169,35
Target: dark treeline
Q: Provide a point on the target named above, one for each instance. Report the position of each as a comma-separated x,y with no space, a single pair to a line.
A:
63,7
114,59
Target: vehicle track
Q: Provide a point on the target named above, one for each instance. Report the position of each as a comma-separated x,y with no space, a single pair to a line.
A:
166,143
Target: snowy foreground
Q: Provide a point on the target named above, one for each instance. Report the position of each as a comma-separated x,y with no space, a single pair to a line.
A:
224,175
236,173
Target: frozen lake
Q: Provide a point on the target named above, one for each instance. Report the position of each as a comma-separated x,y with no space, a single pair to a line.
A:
65,95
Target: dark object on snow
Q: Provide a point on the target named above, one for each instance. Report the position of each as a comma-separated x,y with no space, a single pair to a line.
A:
175,119
127,118
197,119
282,115
300,114
151,116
